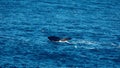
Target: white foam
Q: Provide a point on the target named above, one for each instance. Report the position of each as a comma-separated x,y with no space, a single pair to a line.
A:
76,46
62,41
88,44
83,42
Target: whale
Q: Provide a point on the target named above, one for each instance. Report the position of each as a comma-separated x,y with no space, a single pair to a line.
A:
58,39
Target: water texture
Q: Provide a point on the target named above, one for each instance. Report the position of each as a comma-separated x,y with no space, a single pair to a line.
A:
93,25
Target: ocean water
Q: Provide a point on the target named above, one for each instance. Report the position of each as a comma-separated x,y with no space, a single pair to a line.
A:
93,25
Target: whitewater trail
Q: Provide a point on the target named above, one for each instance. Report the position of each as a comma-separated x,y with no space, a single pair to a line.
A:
87,44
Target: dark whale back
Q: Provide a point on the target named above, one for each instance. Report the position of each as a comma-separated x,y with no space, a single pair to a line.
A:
53,38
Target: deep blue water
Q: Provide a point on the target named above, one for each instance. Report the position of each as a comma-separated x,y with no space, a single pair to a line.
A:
93,25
